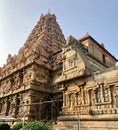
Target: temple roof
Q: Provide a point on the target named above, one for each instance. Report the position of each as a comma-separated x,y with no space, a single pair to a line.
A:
87,36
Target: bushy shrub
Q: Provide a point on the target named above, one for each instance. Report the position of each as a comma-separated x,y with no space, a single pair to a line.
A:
4,126
36,125
17,126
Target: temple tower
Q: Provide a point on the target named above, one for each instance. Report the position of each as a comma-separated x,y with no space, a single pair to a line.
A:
26,78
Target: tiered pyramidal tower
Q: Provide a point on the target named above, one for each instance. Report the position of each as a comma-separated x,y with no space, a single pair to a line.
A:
27,76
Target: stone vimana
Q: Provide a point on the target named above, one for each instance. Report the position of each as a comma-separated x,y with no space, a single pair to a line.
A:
55,79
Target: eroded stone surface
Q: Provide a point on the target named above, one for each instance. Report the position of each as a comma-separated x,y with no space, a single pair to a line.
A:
81,72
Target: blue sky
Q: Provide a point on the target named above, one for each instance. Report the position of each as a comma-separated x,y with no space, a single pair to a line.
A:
76,17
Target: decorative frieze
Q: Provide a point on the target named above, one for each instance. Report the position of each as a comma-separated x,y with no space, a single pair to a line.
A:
100,99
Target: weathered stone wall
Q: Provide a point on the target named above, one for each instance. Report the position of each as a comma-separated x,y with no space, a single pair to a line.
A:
94,98
87,125
98,51
92,95
12,105
100,54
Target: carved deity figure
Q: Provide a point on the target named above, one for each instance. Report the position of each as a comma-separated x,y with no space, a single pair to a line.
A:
72,100
79,98
116,96
86,98
116,100
92,97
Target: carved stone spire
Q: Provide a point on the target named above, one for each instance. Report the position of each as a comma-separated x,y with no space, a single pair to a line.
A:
46,38
47,29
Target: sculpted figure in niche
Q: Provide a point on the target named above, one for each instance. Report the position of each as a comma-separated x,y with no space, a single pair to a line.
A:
16,83
76,98
86,98
7,86
98,95
21,78
27,76
116,100
0,107
116,96
4,106
8,106
71,100
67,100
79,98
36,52
13,103
92,97
70,63
4,88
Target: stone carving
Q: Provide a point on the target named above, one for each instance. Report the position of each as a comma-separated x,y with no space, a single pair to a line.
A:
45,67
101,99
72,100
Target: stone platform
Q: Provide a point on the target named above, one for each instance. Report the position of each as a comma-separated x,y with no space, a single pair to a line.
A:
89,123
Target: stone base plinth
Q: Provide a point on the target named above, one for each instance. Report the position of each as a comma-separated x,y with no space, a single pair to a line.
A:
89,123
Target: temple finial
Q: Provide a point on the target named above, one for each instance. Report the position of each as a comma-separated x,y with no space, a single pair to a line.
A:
48,11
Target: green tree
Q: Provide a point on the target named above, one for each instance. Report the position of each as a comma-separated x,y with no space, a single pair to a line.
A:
17,126
37,125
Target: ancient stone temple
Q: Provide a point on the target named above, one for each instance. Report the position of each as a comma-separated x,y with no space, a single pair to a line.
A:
26,80
89,83
56,79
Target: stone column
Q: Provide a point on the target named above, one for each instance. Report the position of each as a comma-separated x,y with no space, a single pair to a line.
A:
67,100
82,94
5,106
114,96
109,94
76,98
72,100
64,99
17,106
11,82
93,101
110,97
24,76
21,109
1,107
13,106
101,93
87,98
96,98
8,106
